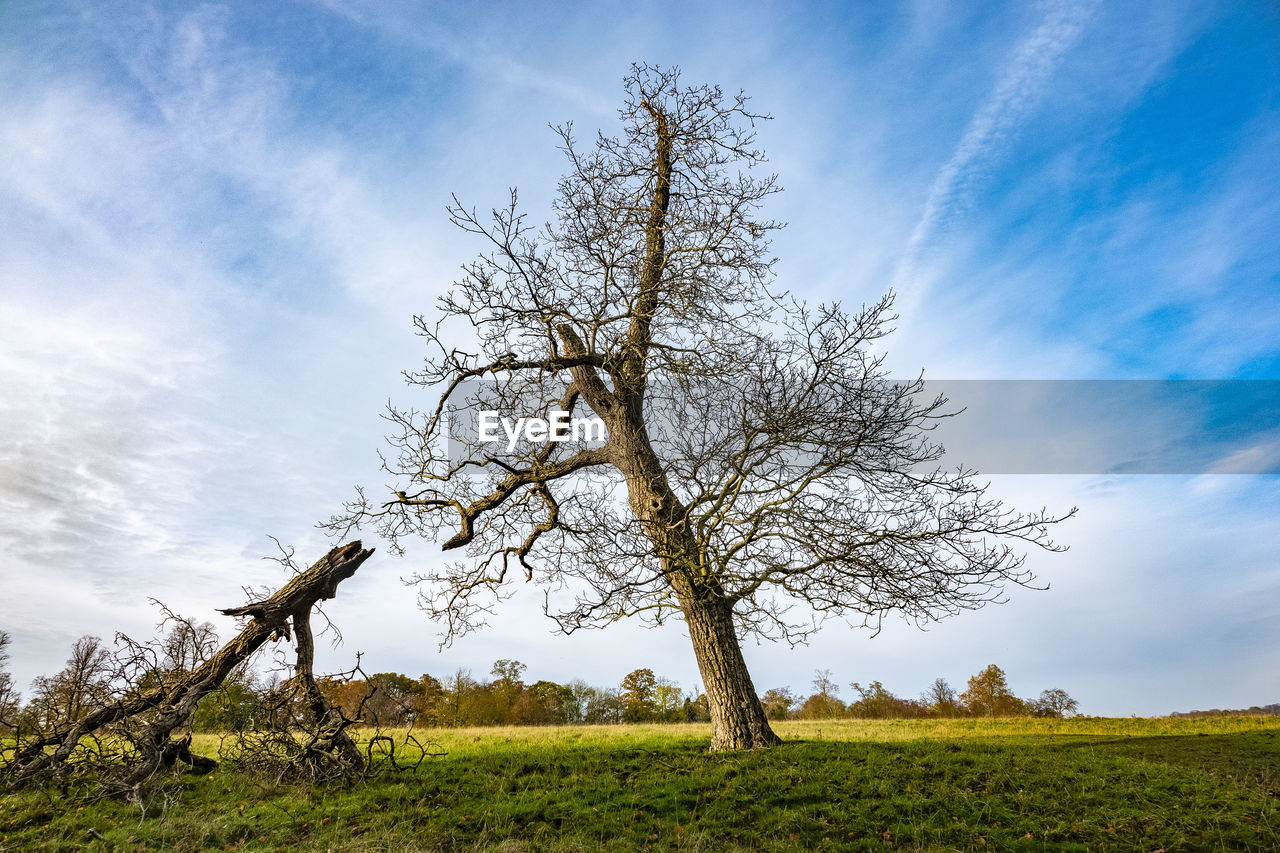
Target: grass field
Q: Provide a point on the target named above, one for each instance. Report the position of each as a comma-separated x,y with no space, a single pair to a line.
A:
1083,784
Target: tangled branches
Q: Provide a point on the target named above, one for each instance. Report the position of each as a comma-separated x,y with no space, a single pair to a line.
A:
126,714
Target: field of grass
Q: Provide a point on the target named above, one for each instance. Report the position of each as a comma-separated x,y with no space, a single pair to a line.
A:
1082,784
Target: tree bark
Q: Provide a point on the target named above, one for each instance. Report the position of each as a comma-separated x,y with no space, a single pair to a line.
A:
738,720
329,741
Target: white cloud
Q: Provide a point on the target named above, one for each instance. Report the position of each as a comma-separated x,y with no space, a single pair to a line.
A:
146,452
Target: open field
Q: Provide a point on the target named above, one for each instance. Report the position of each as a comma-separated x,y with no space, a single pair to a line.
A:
1019,784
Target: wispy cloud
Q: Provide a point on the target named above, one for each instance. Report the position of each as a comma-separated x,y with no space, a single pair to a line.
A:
144,452
464,41
1019,89
1262,455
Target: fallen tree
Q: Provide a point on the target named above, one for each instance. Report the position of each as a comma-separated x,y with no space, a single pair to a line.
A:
143,722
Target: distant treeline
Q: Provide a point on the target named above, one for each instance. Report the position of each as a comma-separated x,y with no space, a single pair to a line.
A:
92,677
1272,710
395,700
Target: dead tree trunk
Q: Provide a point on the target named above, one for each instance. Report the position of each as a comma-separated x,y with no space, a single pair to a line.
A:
329,745
169,707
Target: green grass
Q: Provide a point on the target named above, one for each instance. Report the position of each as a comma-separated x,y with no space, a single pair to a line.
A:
1085,784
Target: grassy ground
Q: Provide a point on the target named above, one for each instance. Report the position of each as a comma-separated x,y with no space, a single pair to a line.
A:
841,785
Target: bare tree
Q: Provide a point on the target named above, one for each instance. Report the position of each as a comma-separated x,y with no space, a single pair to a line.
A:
82,686
188,644
941,699
824,684
1054,702
10,698
757,455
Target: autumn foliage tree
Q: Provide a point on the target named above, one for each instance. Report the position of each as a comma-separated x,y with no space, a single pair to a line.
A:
778,702
988,695
824,703
638,695
877,702
757,457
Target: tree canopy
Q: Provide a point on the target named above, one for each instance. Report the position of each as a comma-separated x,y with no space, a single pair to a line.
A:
761,469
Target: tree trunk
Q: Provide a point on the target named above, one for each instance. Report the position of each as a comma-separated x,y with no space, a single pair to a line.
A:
329,743
738,720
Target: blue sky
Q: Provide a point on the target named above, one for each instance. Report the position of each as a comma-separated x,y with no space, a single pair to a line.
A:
216,221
